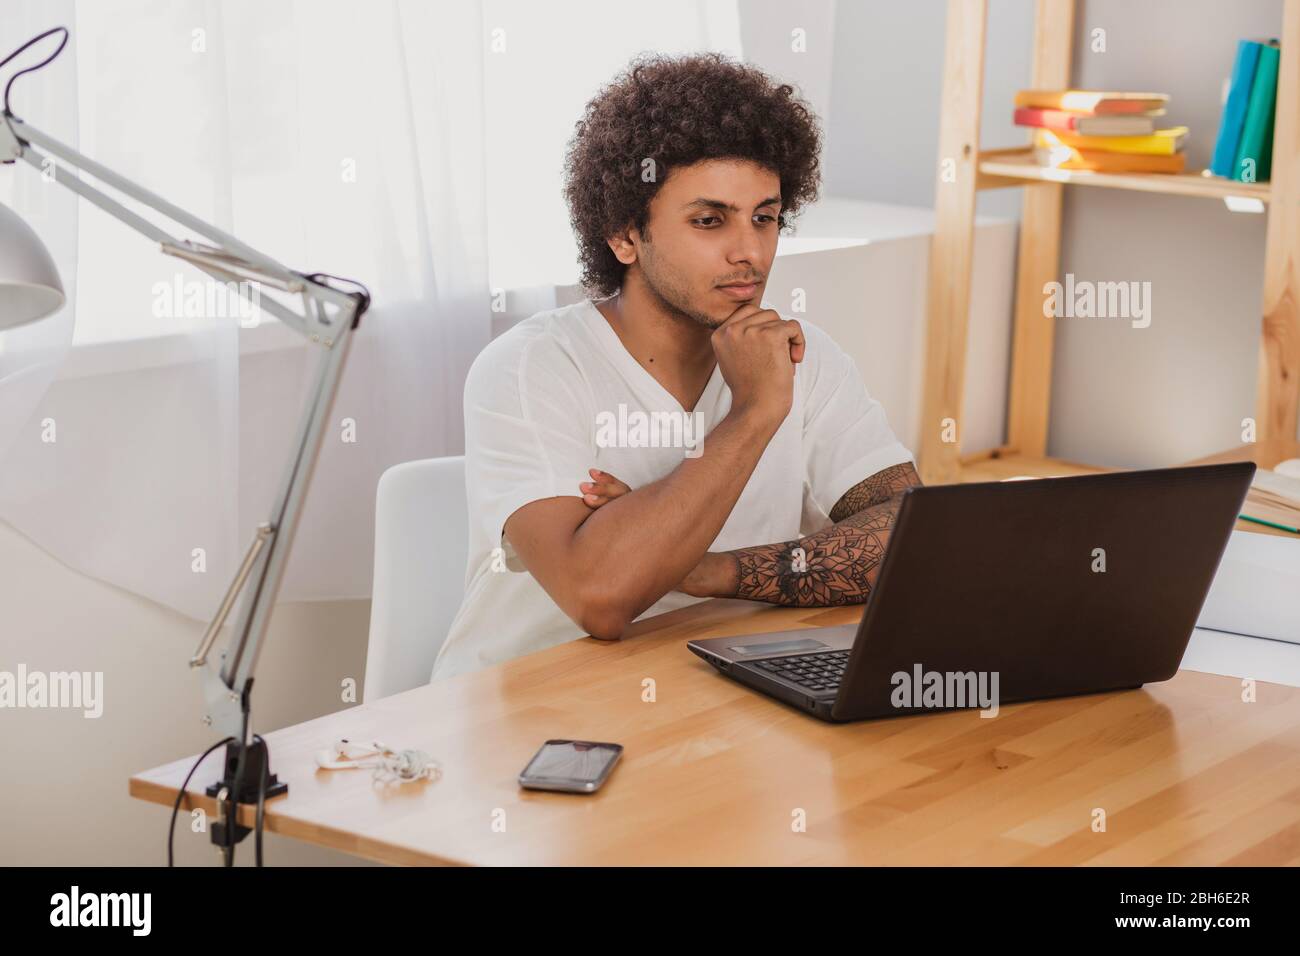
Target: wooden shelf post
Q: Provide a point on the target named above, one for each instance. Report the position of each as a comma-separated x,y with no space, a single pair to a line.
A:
1030,399
1278,386
948,297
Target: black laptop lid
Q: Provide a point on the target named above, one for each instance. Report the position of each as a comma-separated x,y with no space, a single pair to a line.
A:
1060,585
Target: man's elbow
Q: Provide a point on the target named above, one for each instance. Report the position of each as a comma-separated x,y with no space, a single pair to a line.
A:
603,617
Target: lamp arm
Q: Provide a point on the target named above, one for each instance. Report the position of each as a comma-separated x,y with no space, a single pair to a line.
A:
262,570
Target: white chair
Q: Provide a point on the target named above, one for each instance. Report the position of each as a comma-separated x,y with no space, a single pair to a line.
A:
421,546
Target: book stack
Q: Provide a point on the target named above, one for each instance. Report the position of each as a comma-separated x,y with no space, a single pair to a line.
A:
1274,500
1102,131
1244,148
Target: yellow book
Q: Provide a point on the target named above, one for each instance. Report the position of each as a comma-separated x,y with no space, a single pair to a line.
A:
1067,157
1163,142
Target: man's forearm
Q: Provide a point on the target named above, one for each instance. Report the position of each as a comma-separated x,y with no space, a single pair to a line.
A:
837,565
642,544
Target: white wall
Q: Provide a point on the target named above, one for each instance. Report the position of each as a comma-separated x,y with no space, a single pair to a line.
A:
794,42
887,80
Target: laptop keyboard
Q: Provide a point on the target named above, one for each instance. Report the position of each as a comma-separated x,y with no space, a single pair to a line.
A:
813,671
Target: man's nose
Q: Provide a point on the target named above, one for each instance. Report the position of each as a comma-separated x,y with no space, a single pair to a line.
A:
747,247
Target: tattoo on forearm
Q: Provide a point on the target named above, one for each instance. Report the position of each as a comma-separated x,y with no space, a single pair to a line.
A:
837,565
881,486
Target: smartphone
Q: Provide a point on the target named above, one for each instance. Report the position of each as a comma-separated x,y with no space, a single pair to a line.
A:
570,766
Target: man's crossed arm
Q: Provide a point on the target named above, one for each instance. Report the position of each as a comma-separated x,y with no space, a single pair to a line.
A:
837,565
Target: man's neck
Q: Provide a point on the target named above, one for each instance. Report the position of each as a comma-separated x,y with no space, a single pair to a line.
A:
672,347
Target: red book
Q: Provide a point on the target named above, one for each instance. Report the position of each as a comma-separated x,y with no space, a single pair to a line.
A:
1085,124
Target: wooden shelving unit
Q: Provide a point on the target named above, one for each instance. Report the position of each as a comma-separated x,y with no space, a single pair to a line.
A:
1025,452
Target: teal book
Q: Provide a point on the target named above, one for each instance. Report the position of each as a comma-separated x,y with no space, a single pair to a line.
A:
1234,109
1257,129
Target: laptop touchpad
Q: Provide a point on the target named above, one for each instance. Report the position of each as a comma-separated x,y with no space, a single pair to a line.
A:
778,647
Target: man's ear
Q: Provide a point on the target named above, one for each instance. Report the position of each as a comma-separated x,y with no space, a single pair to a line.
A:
622,246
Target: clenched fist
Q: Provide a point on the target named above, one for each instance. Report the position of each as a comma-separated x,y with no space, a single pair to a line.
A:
757,351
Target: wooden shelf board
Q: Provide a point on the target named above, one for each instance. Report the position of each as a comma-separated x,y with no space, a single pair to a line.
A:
1266,454
1009,464
996,167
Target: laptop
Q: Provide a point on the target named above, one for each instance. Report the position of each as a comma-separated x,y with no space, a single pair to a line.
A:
996,592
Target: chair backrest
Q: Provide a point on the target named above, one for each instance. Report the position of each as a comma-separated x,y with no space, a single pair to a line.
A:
421,546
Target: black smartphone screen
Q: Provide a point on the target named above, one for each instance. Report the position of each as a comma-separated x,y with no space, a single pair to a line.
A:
580,763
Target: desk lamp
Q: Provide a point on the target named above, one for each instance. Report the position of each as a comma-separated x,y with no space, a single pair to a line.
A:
30,290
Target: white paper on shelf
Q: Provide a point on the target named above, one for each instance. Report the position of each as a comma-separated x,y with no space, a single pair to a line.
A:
1283,486
1257,588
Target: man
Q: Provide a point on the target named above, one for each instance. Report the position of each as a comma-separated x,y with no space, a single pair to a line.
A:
750,460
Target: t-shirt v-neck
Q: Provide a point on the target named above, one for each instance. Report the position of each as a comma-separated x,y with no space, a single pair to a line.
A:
632,369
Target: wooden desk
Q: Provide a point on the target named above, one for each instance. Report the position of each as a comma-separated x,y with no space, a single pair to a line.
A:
714,774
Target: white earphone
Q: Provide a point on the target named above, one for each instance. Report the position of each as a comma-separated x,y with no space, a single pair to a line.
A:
388,765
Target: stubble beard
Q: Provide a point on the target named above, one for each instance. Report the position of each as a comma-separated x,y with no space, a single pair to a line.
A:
674,300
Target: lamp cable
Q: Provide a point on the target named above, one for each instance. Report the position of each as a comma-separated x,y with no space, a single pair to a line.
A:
31,69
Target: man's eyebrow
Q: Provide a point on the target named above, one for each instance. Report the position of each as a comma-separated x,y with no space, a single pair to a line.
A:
728,207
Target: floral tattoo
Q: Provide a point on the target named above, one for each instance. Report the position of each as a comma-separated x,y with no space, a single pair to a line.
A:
837,565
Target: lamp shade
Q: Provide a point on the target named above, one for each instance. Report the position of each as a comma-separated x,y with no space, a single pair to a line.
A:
30,288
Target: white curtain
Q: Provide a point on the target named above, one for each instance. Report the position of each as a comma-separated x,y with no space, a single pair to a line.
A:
386,141
338,137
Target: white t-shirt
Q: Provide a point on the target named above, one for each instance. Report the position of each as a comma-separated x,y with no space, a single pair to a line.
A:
559,394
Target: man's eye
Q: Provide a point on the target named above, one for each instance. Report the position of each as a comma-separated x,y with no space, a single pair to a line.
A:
765,217
707,219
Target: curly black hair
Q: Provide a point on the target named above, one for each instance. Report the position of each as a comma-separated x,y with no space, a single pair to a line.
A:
677,111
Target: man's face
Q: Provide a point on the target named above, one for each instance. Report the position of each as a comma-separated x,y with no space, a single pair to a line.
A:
711,224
